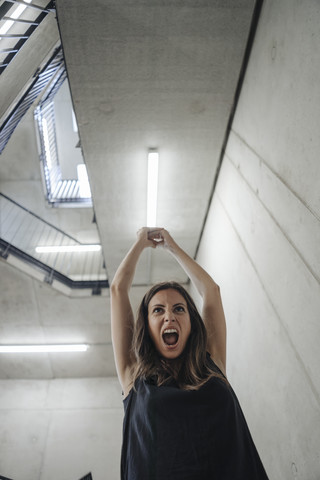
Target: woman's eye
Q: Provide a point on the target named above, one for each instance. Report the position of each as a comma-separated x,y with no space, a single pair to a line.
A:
157,310
180,309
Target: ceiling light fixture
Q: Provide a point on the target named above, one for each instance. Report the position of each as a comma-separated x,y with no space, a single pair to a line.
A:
46,143
74,121
153,160
16,14
42,348
68,248
84,185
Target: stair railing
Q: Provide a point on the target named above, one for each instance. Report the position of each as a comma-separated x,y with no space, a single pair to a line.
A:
59,256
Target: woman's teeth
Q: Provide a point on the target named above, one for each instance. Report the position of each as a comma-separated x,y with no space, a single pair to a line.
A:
170,336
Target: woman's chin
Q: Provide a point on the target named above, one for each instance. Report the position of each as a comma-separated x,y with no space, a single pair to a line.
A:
170,352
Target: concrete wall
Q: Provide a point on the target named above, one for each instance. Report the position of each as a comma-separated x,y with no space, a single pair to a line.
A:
60,429
32,312
262,241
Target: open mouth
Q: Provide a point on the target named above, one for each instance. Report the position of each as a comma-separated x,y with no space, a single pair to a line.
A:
170,337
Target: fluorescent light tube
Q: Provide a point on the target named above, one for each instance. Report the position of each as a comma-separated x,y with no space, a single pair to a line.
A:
16,14
152,195
68,248
46,143
6,26
84,185
18,11
42,348
74,122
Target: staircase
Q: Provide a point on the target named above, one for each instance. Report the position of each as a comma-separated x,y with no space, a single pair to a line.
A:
48,254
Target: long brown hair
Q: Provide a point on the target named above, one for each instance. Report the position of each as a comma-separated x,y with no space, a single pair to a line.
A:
192,369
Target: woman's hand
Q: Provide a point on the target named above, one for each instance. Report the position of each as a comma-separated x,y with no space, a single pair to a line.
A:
149,237
162,238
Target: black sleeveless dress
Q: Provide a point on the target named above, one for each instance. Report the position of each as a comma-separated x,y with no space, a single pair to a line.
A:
173,434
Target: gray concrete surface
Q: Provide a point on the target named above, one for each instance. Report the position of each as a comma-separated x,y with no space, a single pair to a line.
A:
261,244
60,428
159,75
262,241
33,312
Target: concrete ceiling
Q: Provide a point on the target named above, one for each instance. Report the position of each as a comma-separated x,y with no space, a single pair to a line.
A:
143,74
152,74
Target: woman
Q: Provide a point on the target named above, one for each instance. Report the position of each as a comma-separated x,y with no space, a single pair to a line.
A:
182,419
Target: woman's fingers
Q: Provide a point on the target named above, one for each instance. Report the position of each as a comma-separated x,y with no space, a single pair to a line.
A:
150,237
155,235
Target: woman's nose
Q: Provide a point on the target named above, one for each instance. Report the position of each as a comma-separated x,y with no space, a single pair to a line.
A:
169,317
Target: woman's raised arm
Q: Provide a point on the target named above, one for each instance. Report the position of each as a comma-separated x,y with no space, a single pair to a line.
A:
212,309
122,320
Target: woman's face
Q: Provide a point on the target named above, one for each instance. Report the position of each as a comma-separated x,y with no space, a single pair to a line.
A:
169,322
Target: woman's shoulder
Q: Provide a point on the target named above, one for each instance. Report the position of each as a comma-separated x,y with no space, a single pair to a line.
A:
133,390
215,365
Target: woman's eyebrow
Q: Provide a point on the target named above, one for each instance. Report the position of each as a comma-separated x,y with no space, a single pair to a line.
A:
174,305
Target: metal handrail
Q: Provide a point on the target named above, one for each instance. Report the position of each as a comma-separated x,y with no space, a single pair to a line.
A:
35,89
21,20
31,5
38,217
21,231
31,26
